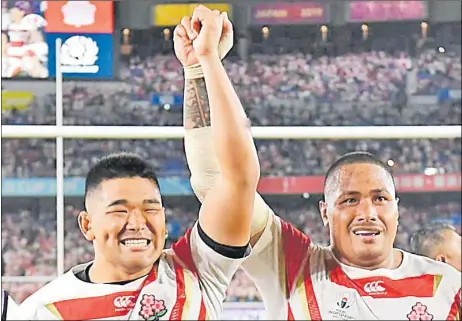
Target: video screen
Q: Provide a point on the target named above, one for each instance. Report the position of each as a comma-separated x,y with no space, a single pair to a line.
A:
24,46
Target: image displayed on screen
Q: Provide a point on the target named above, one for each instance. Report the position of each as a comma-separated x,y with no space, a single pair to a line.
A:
24,47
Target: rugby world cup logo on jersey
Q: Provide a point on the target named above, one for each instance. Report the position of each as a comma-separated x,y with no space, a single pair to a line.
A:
344,302
375,288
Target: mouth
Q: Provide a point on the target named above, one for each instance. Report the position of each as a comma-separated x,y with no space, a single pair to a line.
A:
366,233
136,243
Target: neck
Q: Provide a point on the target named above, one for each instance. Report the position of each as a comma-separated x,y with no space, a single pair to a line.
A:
391,261
102,272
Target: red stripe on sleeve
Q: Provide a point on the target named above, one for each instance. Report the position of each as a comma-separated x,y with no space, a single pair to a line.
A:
177,310
455,311
313,306
290,315
203,311
182,249
295,246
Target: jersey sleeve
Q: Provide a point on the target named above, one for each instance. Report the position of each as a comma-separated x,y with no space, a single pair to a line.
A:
213,269
277,260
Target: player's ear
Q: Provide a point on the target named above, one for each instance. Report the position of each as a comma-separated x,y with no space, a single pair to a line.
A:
85,226
323,211
440,258
165,220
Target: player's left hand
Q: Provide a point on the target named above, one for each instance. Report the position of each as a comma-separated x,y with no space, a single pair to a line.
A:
182,43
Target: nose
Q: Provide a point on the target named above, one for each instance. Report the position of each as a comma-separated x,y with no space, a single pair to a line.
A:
136,220
366,211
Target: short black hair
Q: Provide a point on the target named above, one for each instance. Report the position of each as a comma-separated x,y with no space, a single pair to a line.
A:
424,240
119,165
356,158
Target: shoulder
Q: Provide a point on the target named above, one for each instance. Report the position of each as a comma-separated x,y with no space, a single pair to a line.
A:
425,265
292,238
445,276
52,292
10,309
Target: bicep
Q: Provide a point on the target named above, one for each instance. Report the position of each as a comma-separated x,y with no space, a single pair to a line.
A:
226,212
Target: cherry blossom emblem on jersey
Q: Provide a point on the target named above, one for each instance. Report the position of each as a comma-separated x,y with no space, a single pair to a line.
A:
152,309
419,312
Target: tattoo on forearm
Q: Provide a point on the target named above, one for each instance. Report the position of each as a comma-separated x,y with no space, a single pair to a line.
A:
196,104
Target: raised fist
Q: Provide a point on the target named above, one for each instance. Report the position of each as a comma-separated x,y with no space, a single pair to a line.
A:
207,32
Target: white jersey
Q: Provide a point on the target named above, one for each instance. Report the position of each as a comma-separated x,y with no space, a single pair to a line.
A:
190,284
10,310
301,281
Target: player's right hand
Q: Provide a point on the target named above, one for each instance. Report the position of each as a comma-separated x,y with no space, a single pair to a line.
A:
207,26
185,33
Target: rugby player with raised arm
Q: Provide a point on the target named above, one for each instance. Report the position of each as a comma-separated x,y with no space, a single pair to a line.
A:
132,277
360,276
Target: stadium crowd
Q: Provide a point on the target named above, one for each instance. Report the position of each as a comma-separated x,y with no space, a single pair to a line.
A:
365,88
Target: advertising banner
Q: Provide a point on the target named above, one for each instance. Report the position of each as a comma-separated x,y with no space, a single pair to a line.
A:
75,186
376,11
82,55
289,13
174,185
19,100
165,15
79,16
410,183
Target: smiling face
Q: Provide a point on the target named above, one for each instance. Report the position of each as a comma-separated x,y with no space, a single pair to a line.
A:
362,213
126,223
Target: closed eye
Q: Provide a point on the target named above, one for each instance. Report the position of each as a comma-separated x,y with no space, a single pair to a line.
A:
118,212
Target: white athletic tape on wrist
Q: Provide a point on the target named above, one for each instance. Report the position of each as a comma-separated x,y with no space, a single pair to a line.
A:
202,160
195,71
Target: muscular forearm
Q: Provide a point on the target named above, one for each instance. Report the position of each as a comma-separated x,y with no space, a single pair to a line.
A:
196,112
233,142
200,152
198,138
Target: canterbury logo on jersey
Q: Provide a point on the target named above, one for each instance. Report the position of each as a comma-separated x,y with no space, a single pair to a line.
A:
124,302
374,287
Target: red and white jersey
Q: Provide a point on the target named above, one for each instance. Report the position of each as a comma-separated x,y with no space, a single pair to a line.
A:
18,34
301,281
190,284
